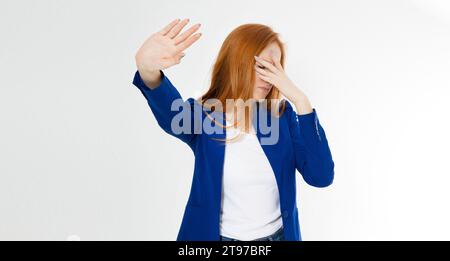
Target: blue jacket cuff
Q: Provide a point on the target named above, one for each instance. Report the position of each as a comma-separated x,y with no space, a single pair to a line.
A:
307,118
150,93
310,121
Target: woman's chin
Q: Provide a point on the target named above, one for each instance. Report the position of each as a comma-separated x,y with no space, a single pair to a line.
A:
260,95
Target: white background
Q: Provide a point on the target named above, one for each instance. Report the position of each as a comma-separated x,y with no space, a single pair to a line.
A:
81,155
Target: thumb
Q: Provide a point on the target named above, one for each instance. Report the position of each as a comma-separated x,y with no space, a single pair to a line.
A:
179,57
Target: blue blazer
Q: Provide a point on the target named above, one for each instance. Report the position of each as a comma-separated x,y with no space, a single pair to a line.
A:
302,146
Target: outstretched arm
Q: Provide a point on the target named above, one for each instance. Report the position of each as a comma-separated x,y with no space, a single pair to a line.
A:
163,50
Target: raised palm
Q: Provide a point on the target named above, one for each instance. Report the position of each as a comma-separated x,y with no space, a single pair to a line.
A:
164,48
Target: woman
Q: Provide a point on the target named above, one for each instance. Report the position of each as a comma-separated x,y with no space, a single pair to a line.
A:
243,185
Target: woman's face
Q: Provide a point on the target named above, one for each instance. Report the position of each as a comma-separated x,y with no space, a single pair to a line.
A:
262,88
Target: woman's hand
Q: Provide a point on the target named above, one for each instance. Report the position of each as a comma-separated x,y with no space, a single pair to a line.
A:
273,73
164,49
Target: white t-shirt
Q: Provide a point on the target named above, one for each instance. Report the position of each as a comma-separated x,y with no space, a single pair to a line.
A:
250,198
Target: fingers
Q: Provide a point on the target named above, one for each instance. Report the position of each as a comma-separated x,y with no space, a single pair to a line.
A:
170,61
266,64
168,27
265,78
185,44
177,28
263,72
186,34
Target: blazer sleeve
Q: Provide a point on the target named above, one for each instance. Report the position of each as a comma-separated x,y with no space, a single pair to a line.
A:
160,100
313,157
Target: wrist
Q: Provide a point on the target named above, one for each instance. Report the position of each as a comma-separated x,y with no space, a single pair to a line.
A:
303,106
151,79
